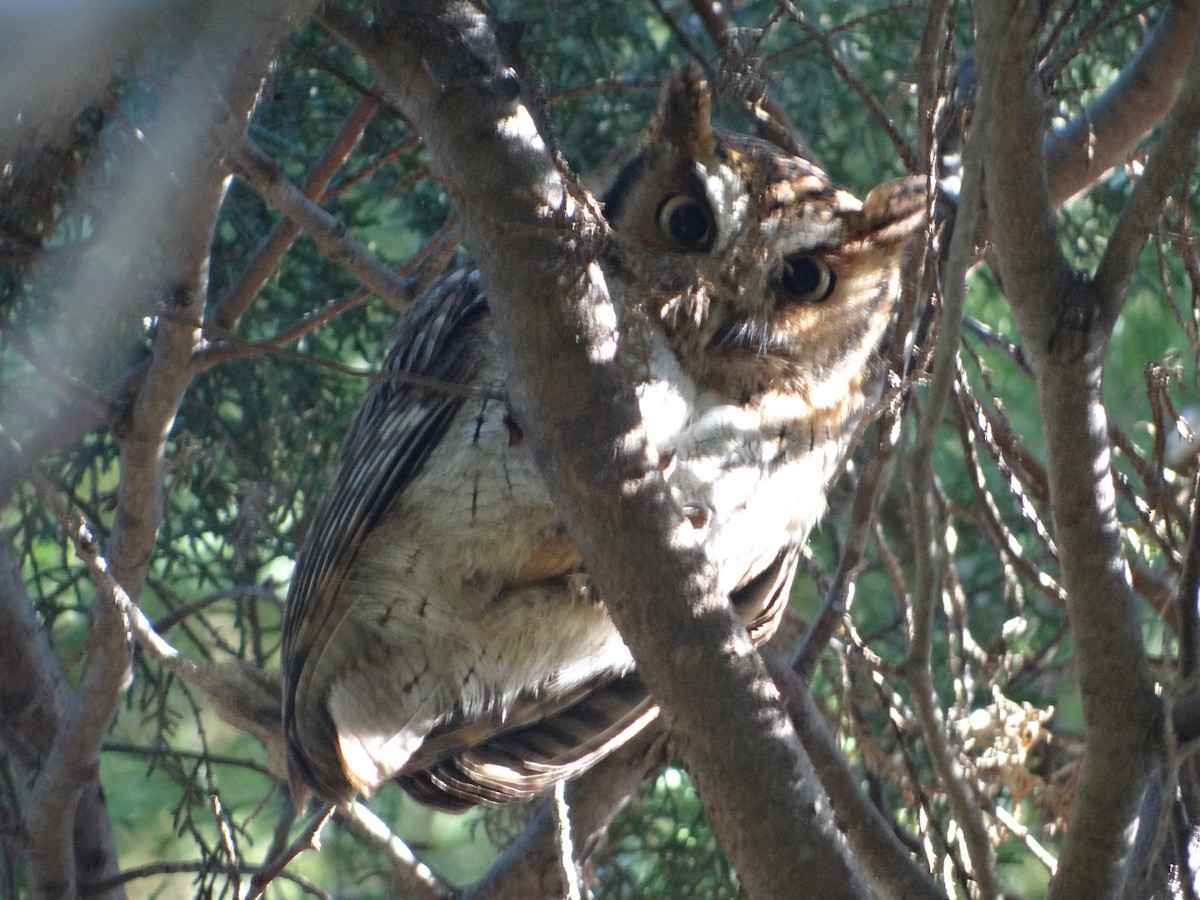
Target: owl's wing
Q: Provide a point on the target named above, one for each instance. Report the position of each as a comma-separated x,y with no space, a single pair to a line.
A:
465,761
401,420
540,741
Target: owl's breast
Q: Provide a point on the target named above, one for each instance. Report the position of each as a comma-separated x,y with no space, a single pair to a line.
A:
470,579
755,476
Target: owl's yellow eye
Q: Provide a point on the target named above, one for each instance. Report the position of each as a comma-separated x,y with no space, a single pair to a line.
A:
687,222
806,279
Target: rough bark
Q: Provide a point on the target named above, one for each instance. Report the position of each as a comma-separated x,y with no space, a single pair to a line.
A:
886,862
31,705
525,217
1065,321
1081,153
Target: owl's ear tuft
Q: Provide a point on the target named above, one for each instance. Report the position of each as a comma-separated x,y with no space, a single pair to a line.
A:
895,211
684,117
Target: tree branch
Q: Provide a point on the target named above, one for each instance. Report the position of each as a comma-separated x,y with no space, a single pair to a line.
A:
272,247
263,176
30,710
1065,342
1104,136
180,187
885,860
415,878
573,398
904,149
1019,204
1168,158
928,524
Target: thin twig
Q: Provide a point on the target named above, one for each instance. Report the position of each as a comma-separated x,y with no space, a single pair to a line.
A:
1040,853
416,879
202,867
566,849
307,839
928,540
271,249
262,175
1167,159
906,152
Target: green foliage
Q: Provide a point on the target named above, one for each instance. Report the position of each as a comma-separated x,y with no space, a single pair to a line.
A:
663,846
252,446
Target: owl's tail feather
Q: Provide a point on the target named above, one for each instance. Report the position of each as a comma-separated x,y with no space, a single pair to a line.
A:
526,758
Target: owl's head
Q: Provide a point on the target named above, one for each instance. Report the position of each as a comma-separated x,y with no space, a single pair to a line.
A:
766,275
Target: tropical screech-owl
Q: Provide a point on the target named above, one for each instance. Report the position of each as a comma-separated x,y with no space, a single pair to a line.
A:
440,628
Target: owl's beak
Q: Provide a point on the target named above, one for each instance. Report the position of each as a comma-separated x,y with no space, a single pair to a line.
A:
719,323
733,332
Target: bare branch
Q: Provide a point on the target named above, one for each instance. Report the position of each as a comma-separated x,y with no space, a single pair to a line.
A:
308,839
1168,158
886,861
528,868
263,176
1019,204
1078,155
928,527
30,709
416,879
933,61
272,247
74,755
1055,314
1001,537
585,429
199,867
904,149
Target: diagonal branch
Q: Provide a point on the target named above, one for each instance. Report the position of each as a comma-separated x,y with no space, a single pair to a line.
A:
272,248
905,150
31,706
1168,158
1019,204
441,65
74,754
530,868
886,860
1104,136
261,174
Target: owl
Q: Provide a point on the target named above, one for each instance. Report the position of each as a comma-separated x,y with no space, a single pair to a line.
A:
441,630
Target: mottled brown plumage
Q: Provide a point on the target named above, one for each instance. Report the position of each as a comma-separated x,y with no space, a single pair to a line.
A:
441,630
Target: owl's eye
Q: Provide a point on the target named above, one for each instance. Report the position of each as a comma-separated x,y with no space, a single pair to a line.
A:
686,221
806,279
